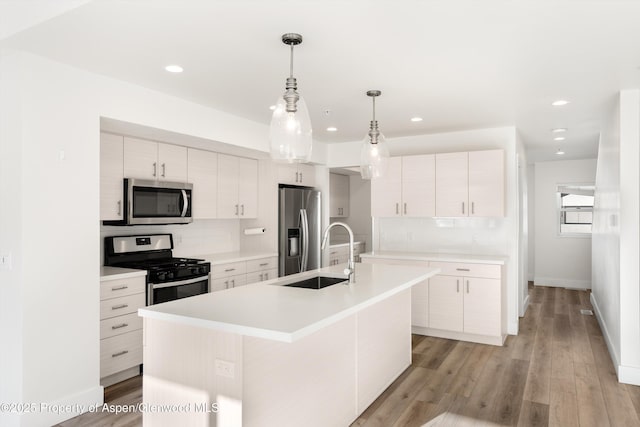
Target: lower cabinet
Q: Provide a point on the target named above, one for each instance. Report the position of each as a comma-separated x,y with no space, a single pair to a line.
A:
120,328
240,273
465,301
339,254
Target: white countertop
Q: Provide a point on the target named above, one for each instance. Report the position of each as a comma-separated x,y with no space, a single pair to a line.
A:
226,257
115,273
281,313
425,256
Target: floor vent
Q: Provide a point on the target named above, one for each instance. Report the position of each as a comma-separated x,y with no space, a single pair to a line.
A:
587,312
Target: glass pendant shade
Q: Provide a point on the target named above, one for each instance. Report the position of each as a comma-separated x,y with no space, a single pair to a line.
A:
374,158
290,133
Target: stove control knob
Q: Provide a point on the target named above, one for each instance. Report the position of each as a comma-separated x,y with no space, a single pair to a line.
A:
170,275
162,275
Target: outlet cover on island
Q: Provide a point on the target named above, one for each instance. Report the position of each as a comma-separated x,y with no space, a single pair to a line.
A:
225,369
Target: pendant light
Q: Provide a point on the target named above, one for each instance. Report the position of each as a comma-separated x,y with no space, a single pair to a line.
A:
290,131
374,156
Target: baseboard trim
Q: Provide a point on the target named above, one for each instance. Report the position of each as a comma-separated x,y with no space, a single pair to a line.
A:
525,306
629,375
556,282
57,411
607,336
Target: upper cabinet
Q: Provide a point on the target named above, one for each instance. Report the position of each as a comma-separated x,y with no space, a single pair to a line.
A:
237,187
339,195
154,160
203,174
470,184
406,189
297,174
111,174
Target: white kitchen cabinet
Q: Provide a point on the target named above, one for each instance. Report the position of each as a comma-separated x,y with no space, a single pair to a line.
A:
237,187
120,328
156,161
406,189
386,191
111,176
297,174
452,184
339,195
466,298
470,184
202,172
240,273
486,183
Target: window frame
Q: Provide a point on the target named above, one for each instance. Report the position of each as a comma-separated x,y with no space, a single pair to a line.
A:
560,210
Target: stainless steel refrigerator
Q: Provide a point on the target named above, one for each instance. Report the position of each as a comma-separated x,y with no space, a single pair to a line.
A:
299,230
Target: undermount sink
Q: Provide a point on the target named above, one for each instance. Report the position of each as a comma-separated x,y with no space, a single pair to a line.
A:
317,282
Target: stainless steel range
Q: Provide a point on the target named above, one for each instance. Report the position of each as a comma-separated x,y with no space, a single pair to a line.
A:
168,278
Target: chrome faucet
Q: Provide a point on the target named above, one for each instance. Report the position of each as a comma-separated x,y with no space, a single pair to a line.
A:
350,271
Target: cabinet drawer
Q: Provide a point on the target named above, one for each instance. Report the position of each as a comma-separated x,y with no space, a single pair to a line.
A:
227,270
260,276
121,305
121,287
262,264
489,271
120,325
120,352
228,282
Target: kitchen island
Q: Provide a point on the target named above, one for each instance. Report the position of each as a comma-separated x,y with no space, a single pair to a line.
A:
269,354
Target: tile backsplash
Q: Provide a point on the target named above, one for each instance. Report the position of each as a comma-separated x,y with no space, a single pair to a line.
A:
201,237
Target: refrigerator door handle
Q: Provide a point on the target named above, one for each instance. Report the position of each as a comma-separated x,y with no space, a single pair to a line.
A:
304,237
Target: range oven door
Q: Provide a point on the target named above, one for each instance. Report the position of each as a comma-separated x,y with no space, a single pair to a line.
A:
151,202
163,292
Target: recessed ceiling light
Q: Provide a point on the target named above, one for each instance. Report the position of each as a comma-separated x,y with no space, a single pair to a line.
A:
174,68
559,102
560,152
272,107
559,138
331,129
416,119
559,130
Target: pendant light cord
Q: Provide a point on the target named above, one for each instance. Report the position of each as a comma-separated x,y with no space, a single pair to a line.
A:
291,62
374,108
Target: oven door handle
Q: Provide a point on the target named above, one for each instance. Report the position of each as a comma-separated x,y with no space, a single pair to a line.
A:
179,282
185,203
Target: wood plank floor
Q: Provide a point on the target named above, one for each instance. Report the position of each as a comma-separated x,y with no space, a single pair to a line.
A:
556,372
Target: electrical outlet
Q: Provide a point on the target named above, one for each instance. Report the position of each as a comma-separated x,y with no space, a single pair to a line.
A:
5,261
225,369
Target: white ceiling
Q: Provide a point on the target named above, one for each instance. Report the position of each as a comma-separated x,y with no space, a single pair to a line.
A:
458,64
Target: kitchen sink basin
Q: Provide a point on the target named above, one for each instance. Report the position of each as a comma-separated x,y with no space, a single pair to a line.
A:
317,282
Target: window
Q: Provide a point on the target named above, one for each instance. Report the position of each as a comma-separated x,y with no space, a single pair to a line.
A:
575,209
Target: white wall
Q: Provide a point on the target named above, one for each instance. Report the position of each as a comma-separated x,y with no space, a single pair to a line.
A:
51,323
531,208
560,261
495,236
605,247
523,226
616,250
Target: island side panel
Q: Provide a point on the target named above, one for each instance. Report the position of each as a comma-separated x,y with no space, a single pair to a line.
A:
180,370
310,382
384,346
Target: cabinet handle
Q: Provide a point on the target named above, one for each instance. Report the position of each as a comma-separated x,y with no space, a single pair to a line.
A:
233,283
266,276
463,208
155,169
467,286
457,285
226,284
296,176
264,264
397,208
473,208
119,207
463,269
242,213
229,269
120,353
261,279
118,307
122,325
119,288
405,208
301,177
163,170
236,210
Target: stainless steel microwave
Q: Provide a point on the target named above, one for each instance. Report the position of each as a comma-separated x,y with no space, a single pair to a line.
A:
152,202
